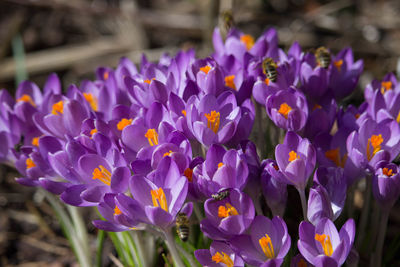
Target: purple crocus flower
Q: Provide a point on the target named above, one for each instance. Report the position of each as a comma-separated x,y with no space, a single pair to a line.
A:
386,184
314,78
221,169
296,159
323,245
288,109
158,197
266,244
319,205
389,83
227,217
213,120
219,255
374,142
344,73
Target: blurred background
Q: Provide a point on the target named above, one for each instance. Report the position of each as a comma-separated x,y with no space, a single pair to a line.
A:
73,37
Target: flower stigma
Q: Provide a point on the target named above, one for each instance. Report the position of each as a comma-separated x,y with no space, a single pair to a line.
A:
29,163
213,120
386,86
152,137
35,141
338,64
102,174
388,172
267,247
205,69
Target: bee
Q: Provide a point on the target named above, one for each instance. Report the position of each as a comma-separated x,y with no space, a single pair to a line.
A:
220,195
269,69
182,226
227,20
323,57
18,145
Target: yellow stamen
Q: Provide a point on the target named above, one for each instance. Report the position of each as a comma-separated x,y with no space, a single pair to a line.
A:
159,199
26,98
106,75
226,211
167,153
220,165
229,81
293,156
92,100
213,119
326,244
35,141
284,109
224,258
338,64
102,174
152,136
149,81
183,112
117,211
267,247
388,172
123,123
248,41
375,141
189,174
398,117
386,86
205,69
334,155
58,108
29,163
267,81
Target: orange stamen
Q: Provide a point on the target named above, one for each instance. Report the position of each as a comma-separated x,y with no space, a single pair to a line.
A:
284,109
167,153
58,108
102,174
293,156
229,81
386,86
117,211
29,163
183,112
106,75
266,245
205,69
248,41
189,174
26,98
159,199
224,258
388,172
338,64
123,123
152,137
35,141
226,211
93,131
375,141
92,100
267,81
220,165
326,244
213,120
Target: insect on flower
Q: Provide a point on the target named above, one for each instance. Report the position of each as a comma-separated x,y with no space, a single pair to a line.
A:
269,69
227,20
18,145
221,195
182,226
323,57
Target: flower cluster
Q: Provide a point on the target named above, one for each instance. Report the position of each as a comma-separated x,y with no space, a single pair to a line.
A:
147,145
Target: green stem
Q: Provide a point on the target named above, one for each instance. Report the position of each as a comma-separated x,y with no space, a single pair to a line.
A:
364,213
381,236
303,203
139,252
169,240
80,227
100,244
